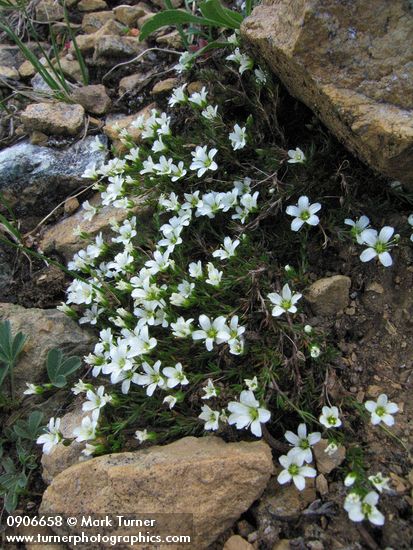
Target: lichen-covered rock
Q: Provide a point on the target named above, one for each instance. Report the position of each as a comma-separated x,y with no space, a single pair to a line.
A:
92,22
32,176
330,295
9,72
45,329
129,15
217,482
352,64
92,5
59,119
119,47
48,11
63,238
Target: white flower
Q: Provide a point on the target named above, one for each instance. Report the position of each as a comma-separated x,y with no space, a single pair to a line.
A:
308,329
245,63
378,245
95,401
182,328
170,400
178,171
315,351
97,145
228,249
302,442
380,482
381,410
89,449
350,479
211,331
294,470
199,98
238,137
203,160
260,76
247,413
87,430
210,390
330,417
52,436
152,378
133,154
186,60
210,112
284,302
357,227
175,376
359,509
159,146
252,384
142,435
89,210
303,212
32,389
210,204
214,275
331,449
178,96
296,156
195,269
210,417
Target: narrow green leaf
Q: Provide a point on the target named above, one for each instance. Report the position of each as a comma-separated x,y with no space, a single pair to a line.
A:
213,9
172,18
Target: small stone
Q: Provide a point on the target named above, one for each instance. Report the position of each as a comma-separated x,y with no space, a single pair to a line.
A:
120,47
283,544
93,98
71,205
350,311
92,22
374,390
326,463
9,72
60,119
164,86
237,543
144,19
38,138
171,39
92,5
230,476
175,3
70,67
26,69
330,295
321,485
195,86
48,11
129,15
133,82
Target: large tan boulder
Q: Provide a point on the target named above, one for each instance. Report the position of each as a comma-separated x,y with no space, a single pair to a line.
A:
45,329
212,480
352,64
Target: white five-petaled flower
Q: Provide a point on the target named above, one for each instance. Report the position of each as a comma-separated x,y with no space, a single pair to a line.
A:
96,400
296,156
247,413
378,245
211,331
330,417
210,112
203,160
87,430
199,98
209,390
294,470
182,328
178,96
382,410
284,302
152,378
380,482
238,137
214,275
357,227
227,250
175,376
210,417
359,508
51,437
303,212
142,435
302,442
251,383
185,62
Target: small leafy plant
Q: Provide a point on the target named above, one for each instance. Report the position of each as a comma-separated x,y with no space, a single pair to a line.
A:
10,349
59,367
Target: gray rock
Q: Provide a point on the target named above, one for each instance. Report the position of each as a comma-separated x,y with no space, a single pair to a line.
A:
32,176
45,329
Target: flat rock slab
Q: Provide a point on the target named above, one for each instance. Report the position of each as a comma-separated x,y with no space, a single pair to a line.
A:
32,176
212,480
352,64
45,329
